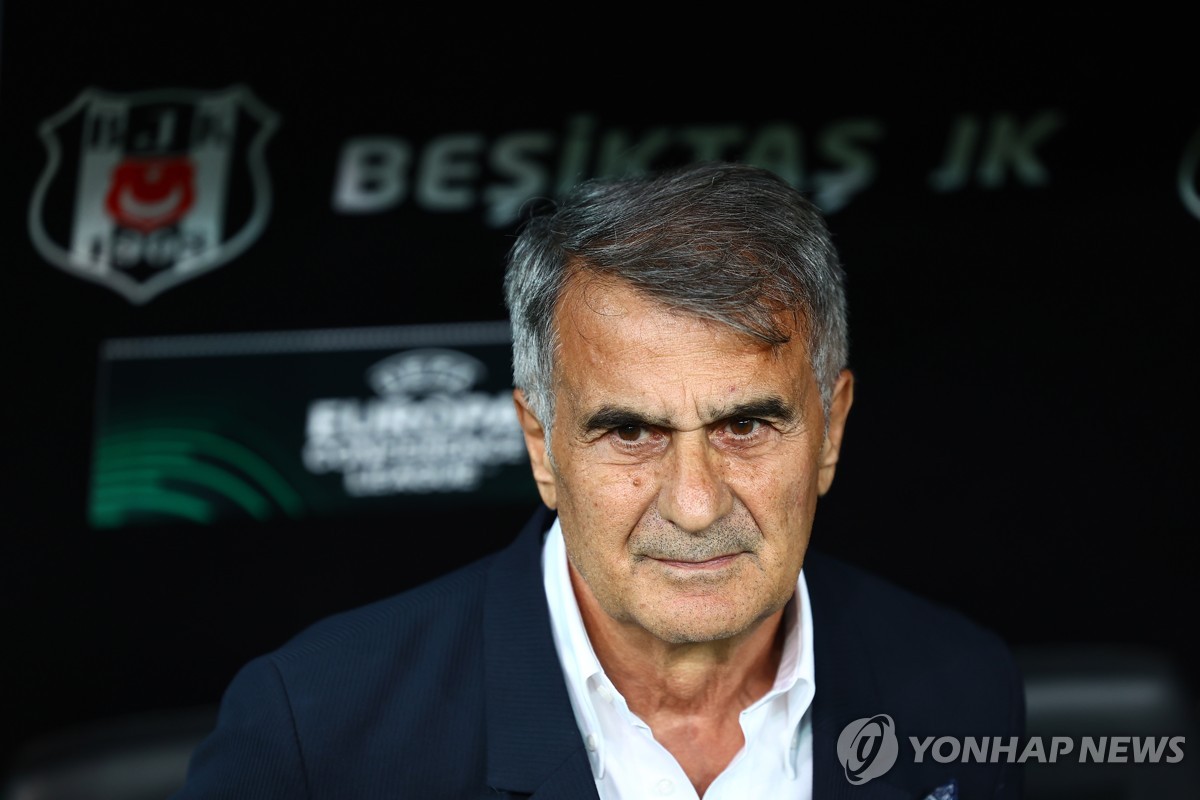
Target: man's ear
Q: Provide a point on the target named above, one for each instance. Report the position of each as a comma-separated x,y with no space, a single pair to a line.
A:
535,443
839,409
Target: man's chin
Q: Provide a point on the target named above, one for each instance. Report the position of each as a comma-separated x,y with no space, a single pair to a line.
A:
699,620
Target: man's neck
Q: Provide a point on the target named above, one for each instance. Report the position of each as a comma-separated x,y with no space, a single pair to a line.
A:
654,676
690,694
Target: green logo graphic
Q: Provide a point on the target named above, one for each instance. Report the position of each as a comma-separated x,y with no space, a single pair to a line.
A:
176,470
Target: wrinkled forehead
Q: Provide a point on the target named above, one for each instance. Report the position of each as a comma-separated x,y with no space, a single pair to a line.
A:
591,302
616,345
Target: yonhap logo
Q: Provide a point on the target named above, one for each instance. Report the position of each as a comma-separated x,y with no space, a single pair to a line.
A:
868,748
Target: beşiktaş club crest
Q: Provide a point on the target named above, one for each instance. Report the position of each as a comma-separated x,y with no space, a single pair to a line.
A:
145,190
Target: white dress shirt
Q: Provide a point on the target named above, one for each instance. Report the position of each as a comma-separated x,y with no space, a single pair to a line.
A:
627,761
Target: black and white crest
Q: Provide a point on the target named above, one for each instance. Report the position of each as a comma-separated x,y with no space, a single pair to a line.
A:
146,190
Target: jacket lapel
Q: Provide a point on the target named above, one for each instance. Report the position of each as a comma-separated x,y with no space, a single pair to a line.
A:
533,742
846,689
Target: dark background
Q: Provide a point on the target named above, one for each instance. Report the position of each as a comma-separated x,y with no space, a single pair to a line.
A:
1021,445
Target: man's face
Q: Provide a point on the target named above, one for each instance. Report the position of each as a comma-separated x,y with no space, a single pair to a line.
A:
688,459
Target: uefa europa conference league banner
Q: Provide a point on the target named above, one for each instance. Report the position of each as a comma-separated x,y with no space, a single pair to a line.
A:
305,423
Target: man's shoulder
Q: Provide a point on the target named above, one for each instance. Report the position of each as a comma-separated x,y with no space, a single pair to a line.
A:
350,691
932,663
913,639
881,648
875,602
376,634
426,632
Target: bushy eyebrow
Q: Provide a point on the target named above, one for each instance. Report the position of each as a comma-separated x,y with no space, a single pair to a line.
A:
609,417
772,408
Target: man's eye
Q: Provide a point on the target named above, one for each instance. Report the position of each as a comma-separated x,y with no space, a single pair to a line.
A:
743,427
630,433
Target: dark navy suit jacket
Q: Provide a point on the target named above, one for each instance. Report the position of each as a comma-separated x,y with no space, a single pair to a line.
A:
454,690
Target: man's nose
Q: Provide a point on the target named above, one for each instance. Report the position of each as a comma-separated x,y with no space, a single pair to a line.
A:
693,492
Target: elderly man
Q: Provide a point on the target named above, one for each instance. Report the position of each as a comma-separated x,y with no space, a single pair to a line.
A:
660,628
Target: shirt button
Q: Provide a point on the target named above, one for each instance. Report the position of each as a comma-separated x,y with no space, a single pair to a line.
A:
590,742
665,786
605,693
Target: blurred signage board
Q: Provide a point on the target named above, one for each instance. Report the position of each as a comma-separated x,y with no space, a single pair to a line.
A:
313,423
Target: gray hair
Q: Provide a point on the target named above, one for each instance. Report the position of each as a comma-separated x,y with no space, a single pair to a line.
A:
727,242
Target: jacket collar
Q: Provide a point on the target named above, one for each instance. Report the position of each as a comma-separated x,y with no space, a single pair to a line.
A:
533,743
847,686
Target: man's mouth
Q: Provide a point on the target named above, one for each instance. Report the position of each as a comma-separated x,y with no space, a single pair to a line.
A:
716,562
